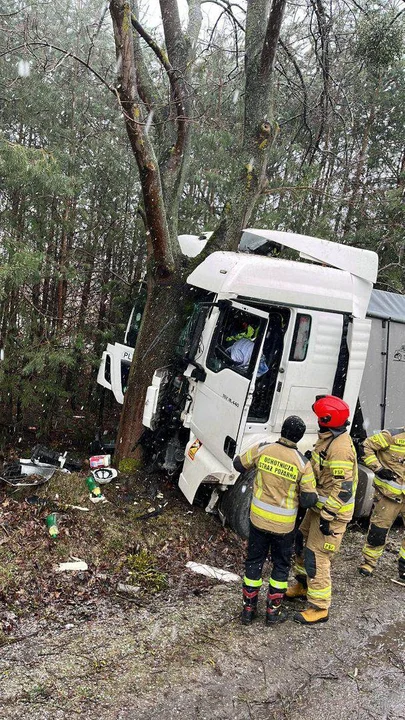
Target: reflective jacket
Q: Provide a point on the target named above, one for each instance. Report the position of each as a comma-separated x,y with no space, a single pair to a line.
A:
250,333
284,478
387,450
334,463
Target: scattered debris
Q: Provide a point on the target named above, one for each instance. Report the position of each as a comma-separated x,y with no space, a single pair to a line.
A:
74,565
97,499
128,589
96,495
99,461
77,507
151,512
213,572
43,455
104,475
398,582
353,674
52,525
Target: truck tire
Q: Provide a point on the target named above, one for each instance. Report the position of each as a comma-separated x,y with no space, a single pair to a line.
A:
235,504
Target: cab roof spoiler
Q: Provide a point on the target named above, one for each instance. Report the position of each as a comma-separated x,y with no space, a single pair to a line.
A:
356,261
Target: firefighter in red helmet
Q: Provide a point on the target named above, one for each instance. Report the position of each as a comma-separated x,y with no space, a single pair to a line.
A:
320,534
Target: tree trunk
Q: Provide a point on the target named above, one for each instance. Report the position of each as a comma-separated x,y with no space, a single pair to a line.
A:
161,325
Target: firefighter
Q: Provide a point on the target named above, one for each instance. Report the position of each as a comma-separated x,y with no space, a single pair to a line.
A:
384,453
246,331
283,478
320,534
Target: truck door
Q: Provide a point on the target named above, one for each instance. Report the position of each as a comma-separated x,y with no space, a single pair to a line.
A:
233,361
308,365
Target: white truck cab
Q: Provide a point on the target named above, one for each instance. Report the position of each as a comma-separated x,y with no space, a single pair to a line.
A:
271,336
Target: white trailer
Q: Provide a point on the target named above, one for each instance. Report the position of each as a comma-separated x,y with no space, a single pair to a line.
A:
312,320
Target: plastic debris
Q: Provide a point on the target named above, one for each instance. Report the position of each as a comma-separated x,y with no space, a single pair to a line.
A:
96,496
128,589
74,565
98,461
104,475
398,582
42,455
213,572
152,512
52,525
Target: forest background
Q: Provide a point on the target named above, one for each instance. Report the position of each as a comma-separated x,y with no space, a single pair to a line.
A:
73,249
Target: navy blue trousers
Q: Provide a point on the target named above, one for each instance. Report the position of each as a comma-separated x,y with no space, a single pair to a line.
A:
261,544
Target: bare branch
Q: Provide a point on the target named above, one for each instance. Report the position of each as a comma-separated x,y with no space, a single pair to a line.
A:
67,53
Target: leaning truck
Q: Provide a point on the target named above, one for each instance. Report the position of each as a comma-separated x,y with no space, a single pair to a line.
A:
316,327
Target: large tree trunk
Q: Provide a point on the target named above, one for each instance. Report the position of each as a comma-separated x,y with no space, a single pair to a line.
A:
162,184
162,321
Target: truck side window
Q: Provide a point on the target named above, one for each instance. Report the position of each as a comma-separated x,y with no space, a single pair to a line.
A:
236,342
299,346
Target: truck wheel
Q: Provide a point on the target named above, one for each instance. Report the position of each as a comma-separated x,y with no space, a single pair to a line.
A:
235,504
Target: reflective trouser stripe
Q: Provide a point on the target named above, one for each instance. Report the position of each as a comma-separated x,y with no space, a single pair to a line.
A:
323,594
252,583
402,553
280,585
373,552
299,569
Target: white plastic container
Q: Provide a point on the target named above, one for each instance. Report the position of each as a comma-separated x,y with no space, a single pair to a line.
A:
97,461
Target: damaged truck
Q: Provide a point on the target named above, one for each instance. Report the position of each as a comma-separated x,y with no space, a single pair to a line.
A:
315,326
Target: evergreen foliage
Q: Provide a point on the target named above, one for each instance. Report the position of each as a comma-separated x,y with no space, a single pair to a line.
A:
72,242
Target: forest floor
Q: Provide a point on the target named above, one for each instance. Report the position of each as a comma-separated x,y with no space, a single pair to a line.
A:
84,644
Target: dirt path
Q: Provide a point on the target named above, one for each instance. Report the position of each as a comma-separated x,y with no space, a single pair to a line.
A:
193,660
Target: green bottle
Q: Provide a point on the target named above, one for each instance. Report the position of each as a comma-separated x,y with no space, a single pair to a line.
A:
52,525
93,486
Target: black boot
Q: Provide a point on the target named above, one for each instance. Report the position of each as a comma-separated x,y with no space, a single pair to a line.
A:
401,570
274,610
250,598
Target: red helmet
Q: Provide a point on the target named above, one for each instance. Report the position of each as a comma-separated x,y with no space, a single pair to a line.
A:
331,411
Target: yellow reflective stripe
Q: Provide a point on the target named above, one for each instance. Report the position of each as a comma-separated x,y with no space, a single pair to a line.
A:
373,552
272,516
402,553
291,500
259,483
333,503
379,439
315,456
249,456
299,569
340,463
396,449
324,593
347,508
280,585
387,486
308,478
370,459
252,583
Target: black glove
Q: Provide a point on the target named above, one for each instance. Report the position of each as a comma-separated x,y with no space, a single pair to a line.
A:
324,526
385,474
308,454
